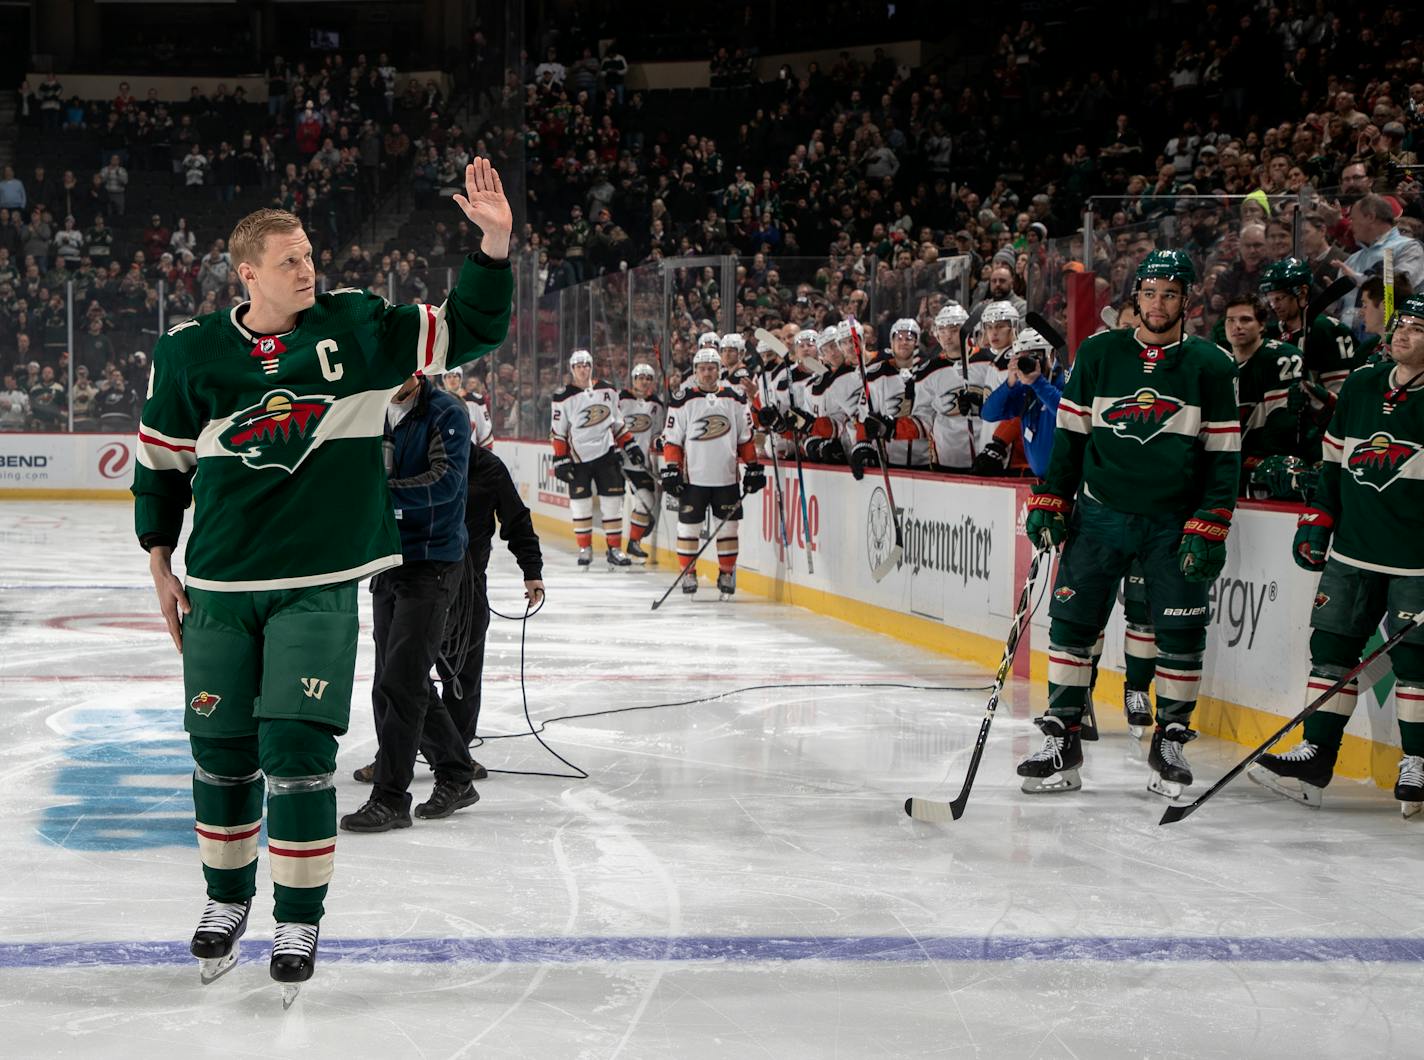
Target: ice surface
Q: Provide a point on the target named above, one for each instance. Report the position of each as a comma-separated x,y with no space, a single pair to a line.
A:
737,878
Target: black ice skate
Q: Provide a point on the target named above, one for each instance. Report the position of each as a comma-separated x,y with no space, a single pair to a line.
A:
1054,766
215,943
293,958
1137,709
617,558
727,583
1170,770
637,552
689,581
1409,789
1299,774
585,559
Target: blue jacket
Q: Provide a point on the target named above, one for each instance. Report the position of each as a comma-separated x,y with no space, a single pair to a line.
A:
427,470
1038,407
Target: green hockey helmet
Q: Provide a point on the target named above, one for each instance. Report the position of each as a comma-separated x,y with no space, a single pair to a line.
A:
1288,274
1167,265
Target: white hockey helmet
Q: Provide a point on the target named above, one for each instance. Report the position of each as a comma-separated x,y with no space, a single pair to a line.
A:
644,371
826,337
580,357
951,315
842,331
805,337
1030,341
905,326
708,338
706,356
733,341
996,312
763,346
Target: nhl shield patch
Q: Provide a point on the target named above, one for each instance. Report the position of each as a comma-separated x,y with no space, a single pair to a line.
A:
204,703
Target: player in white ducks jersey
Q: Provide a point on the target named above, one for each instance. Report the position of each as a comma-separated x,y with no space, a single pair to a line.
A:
836,399
892,397
481,425
709,429
989,362
591,447
944,406
643,415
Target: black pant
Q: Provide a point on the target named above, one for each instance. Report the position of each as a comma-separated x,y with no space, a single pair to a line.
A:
409,606
463,704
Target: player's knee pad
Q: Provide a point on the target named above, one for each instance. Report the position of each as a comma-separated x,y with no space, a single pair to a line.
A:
224,761
610,506
728,531
1181,642
296,751
1408,662
1070,653
1139,641
1334,653
581,508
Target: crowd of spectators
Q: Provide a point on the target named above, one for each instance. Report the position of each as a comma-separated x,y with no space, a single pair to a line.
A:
124,203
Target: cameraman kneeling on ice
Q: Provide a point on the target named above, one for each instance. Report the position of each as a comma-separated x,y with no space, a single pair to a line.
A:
1029,395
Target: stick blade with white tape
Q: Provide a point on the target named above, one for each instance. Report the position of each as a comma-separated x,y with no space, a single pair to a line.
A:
883,569
775,344
930,810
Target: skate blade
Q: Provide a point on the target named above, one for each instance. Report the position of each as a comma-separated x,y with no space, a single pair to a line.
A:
211,969
1067,780
1411,810
289,994
1303,795
1136,731
1168,789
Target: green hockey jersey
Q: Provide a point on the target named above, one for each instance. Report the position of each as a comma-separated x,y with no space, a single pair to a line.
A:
1264,382
276,439
1148,429
1372,477
1329,349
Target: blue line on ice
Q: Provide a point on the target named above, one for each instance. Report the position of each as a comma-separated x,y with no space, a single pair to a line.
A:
746,949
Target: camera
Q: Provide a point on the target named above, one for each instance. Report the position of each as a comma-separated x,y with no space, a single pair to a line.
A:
1028,364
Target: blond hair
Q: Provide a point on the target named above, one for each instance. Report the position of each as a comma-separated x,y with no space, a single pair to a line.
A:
249,238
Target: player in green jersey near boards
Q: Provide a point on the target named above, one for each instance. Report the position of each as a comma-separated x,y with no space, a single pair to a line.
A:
1267,374
1365,533
1145,463
268,417
1327,344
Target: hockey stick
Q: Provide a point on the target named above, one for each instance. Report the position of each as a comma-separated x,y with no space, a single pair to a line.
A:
801,490
892,559
1041,325
1176,813
775,470
773,343
1337,290
944,812
1388,287
692,563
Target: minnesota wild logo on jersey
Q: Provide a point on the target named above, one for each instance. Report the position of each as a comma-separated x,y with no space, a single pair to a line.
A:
1378,462
278,431
204,703
1143,416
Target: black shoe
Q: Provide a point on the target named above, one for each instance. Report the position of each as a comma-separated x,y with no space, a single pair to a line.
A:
365,775
375,816
636,550
480,773
446,799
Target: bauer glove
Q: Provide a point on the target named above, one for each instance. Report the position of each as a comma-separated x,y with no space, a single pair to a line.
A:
862,456
564,469
633,456
878,426
1047,521
1202,551
1312,539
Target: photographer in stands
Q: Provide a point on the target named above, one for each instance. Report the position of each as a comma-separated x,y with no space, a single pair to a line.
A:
1026,407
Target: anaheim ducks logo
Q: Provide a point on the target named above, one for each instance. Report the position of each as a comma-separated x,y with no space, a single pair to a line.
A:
712,426
593,415
1143,416
278,431
1379,461
204,703
638,422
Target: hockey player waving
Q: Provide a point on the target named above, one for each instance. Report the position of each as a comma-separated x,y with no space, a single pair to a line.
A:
708,430
1365,533
1144,466
588,433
